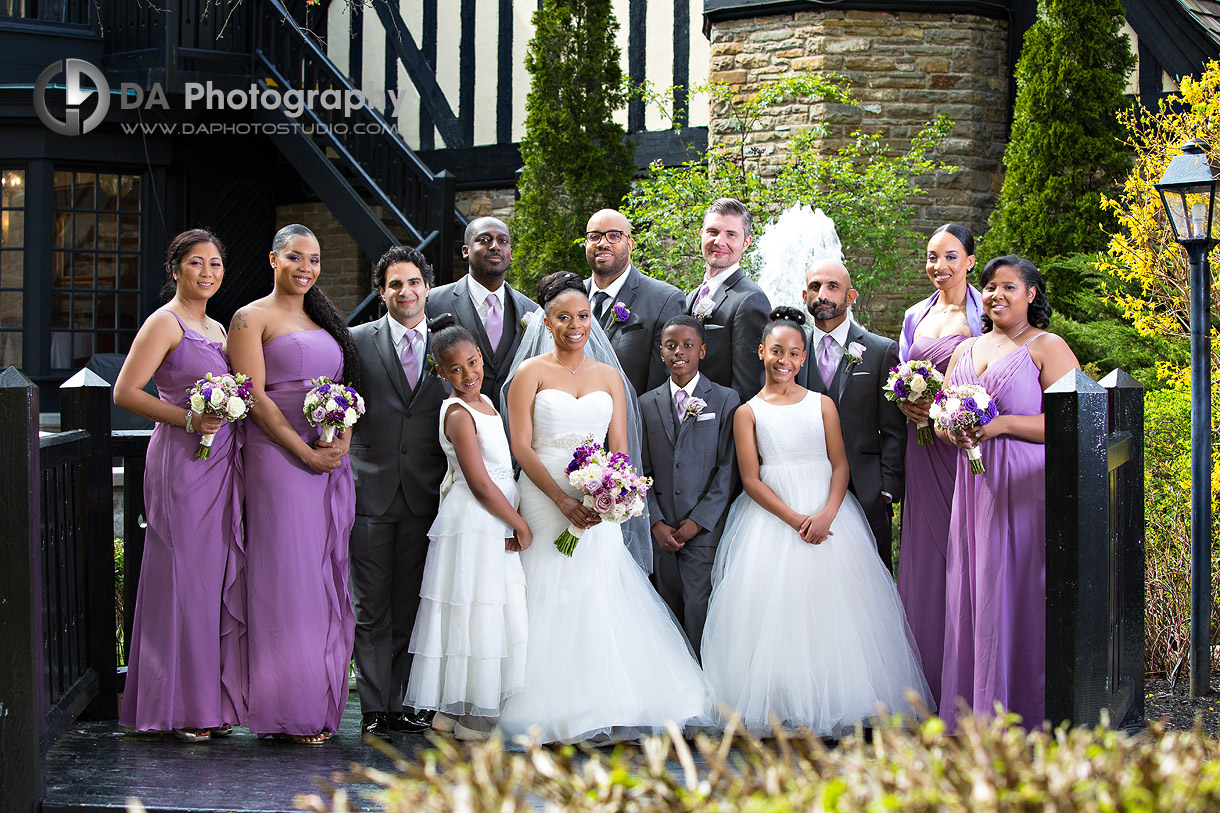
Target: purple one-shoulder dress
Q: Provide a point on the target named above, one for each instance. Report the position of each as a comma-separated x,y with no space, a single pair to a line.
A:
995,614
297,523
930,474
187,663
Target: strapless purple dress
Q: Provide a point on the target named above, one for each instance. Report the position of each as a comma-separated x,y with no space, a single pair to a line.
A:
187,662
930,474
297,521
995,613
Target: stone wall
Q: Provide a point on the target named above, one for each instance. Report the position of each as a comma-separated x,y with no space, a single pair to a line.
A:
346,275
905,69
487,203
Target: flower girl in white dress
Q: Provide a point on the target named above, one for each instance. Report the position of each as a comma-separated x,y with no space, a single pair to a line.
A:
469,640
804,622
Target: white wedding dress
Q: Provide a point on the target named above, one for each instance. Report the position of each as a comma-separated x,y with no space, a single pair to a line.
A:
606,659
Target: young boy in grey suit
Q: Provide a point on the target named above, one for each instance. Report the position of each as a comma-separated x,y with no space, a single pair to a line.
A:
688,451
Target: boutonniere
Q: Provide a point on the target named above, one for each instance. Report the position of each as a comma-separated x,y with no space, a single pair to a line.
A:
694,407
529,317
854,353
429,365
621,312
703,309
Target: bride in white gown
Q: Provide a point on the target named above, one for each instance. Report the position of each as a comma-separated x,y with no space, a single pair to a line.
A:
606,661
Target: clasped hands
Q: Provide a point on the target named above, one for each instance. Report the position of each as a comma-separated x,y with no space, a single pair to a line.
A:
578,514
674,539
325,457
815,528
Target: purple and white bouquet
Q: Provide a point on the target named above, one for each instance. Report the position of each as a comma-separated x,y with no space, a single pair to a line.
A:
226,395
910,381
611,487
963,407
333,406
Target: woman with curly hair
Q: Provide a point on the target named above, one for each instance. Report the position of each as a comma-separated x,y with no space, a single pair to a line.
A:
995,596
300,501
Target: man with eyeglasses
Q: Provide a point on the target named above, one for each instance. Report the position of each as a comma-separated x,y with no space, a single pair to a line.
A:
631,306
484,303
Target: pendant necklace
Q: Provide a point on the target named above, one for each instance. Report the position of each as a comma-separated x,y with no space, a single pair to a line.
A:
1013,339
202,326
566,367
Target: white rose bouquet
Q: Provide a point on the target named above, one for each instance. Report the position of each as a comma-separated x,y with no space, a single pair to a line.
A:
226,395
911,381
611,487
333,406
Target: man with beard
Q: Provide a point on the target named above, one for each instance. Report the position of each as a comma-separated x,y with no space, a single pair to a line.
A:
732,308
851,365
633,308
483,302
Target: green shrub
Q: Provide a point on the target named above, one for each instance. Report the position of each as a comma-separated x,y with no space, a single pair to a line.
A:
994,765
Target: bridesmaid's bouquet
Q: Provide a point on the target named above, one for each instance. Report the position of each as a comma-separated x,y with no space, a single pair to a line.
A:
227,395
333,406
963,407
911,381
611,486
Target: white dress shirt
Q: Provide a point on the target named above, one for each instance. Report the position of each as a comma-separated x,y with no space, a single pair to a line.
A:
398,331
479,294
713,283
837,349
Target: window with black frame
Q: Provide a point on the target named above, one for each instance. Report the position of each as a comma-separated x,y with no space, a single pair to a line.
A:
12,265
95,266
47,11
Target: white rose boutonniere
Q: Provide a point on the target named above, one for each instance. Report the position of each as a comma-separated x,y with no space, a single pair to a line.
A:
694,407
854,353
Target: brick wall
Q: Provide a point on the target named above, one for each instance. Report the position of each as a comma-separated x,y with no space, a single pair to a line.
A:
904,69
346,276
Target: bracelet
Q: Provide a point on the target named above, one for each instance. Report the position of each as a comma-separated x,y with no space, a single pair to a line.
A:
190,417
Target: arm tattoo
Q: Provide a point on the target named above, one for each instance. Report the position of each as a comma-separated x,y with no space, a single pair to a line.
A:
239,320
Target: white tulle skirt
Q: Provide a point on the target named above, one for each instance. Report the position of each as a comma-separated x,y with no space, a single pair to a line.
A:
812,634
470,637
607,660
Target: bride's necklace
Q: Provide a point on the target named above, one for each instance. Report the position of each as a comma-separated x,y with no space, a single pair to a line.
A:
1012,339
566,367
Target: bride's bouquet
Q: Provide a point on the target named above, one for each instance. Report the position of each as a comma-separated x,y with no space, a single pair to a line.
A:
334,406
911,381
226,395
611,487
963,407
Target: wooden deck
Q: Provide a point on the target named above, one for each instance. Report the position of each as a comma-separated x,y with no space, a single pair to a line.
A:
96,767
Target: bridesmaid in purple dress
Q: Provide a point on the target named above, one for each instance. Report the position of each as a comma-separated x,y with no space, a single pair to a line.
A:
300,503
995,615
931,330
186,670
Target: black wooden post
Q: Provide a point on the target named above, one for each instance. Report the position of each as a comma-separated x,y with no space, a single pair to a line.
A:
1076,549
21,636
446,227
1126,402
132,446
85,404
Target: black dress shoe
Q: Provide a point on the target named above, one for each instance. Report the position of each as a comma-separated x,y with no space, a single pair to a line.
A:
410,721
376,724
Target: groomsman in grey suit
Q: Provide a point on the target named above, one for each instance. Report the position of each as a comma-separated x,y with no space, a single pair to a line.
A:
398,465
851,365
731,306
688,451
483,302
631,306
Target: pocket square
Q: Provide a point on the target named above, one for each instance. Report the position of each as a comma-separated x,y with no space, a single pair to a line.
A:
862,372
706,416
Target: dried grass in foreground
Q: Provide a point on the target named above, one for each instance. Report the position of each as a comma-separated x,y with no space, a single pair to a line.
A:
992,765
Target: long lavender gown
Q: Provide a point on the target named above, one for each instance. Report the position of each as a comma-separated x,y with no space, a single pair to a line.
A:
930,474
297,521
995,619
186,666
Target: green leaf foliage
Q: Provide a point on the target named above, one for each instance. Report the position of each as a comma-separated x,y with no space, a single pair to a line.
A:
1066,149
577,160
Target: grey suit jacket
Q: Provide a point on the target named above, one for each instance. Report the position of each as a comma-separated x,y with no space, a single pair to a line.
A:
455,298
734,331
396,444
691,463
637,342
874,429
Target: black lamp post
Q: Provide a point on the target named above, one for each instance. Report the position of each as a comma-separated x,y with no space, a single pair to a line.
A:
1188,191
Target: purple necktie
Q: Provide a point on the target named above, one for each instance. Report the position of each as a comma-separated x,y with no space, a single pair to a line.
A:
495,321
703,294
410,359
680,403
826,361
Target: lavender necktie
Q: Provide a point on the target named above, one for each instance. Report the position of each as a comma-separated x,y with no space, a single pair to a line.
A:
410,359
826,361
495,321
702,295
680,403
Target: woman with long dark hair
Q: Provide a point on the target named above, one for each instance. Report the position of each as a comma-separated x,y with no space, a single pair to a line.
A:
995,596
186,670
300,502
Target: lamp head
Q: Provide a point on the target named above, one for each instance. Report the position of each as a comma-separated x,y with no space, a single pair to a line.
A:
1188,190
